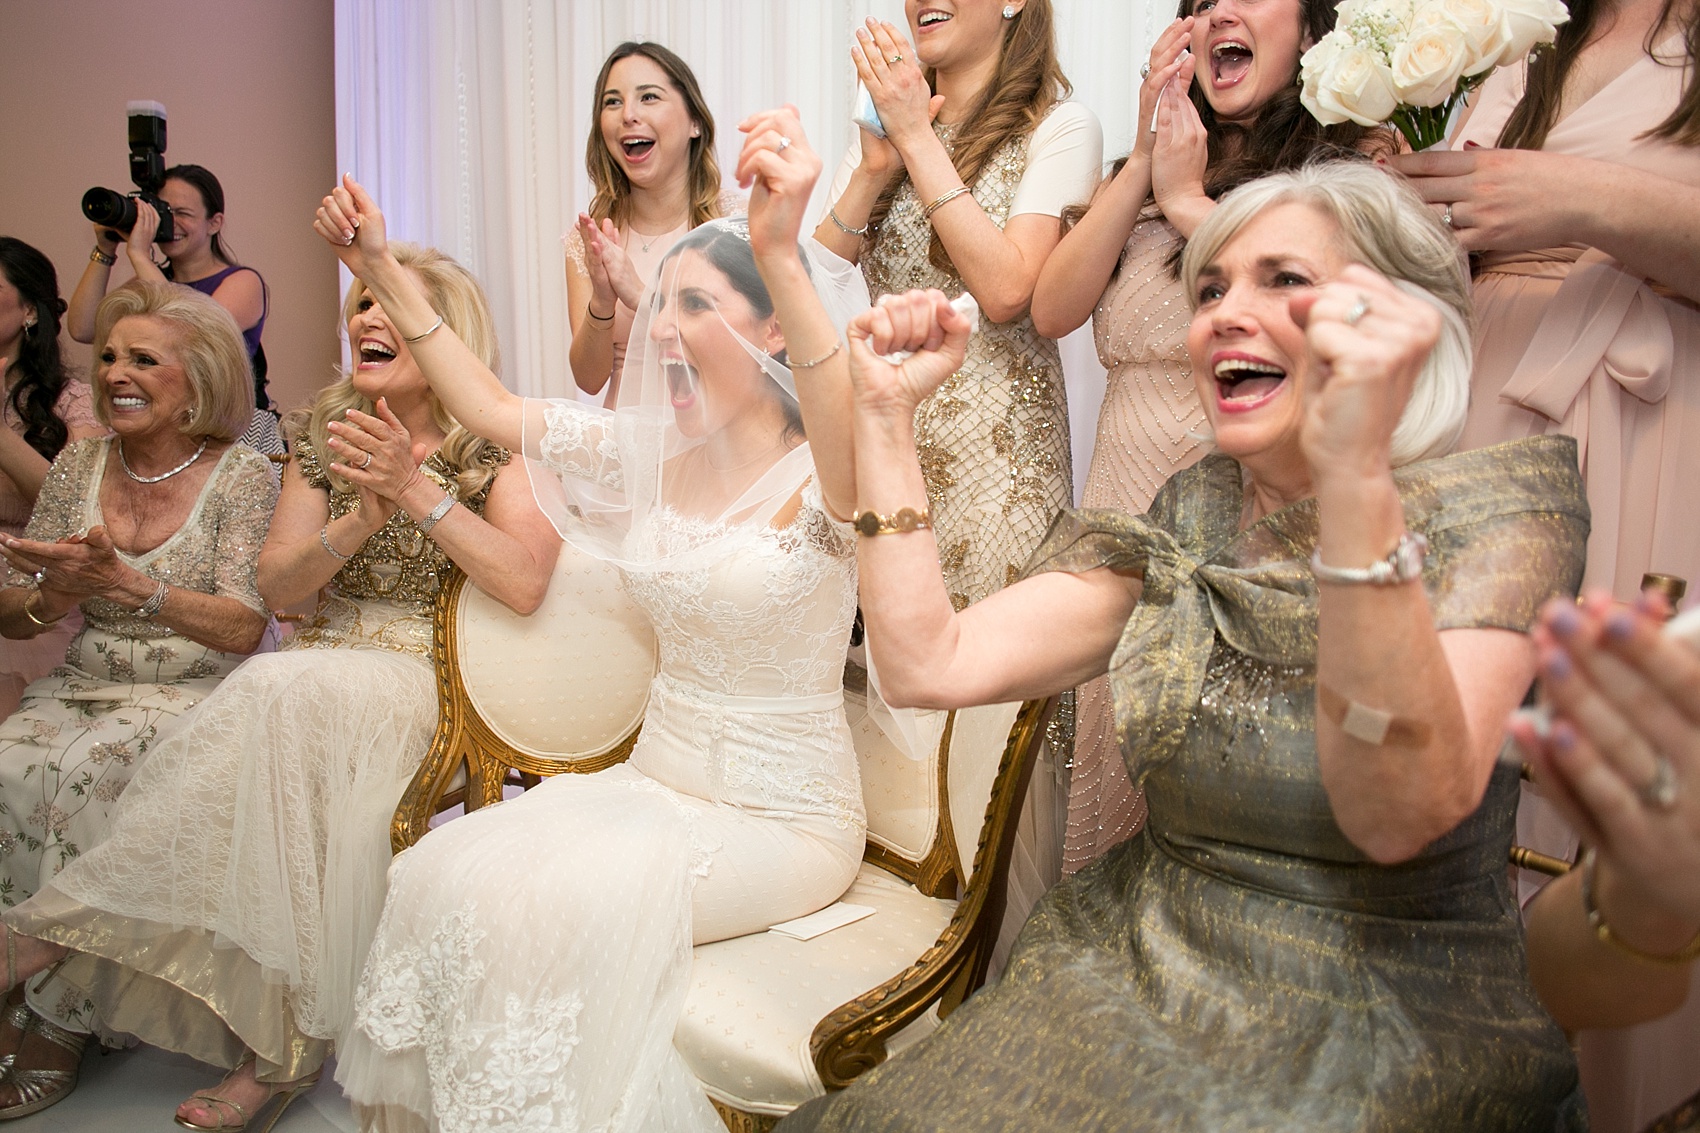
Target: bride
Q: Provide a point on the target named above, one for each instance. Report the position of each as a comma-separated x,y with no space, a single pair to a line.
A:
533,958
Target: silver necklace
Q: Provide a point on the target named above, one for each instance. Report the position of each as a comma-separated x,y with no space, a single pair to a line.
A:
131,472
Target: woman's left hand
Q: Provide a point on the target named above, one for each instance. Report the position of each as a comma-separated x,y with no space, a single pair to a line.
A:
612,276
1626,701
1367,341
780,169
376,453
887,66
83,565
1179,154
1503,199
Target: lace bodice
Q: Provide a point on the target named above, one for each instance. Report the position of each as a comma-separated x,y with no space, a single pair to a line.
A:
214,552
768,617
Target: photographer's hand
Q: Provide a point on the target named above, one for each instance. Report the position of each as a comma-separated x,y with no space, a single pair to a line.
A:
139,244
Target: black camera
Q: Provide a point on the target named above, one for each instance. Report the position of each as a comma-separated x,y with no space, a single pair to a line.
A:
111,209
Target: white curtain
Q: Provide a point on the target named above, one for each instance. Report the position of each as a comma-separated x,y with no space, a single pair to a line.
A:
468,118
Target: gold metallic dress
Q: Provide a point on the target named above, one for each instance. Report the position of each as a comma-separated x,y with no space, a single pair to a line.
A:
235,898
993,439
1239,964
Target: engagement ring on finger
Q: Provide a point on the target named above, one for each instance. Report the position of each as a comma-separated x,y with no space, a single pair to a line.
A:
1358,310
1145,69
783,142
363,465
38,576
1446,217
894,60
1659,793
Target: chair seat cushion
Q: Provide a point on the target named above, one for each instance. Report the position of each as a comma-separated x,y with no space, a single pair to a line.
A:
755,1000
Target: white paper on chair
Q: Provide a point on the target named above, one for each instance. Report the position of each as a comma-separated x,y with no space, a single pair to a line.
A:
833,916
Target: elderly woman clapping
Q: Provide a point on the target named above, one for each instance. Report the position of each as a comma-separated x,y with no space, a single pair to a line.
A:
1314,928
155,533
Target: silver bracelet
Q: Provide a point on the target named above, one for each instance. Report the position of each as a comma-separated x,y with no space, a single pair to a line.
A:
325,542
1403,564
832,215
426,333
435,515
155,601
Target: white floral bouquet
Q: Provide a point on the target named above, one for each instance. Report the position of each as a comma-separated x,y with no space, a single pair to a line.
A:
1410,62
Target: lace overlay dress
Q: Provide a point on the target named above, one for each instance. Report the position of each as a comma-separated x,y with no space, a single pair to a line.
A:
84,729
1147,431
548,1001
23,661
993,439
1239,964
234,901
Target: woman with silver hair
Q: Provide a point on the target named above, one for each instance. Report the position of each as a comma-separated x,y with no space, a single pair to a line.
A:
1314,637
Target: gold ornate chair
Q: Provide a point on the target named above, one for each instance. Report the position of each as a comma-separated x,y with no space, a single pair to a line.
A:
770,1021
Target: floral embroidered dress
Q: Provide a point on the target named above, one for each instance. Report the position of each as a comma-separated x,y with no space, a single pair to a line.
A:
534,956
233,903
84,729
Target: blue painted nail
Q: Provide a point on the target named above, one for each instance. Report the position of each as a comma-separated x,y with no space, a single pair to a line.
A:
1557,666
1619,625
1566,621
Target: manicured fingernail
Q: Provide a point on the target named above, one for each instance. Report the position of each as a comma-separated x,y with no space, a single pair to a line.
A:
1619,625
1472,145
1564,738
348,236
1565,621
1557,665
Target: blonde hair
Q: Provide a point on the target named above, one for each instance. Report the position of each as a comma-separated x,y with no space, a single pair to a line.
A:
211,350
1385,225
613,188
454,294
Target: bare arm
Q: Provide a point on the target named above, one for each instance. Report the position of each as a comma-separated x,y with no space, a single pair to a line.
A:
1030,639
468,388
20,463
244,296
91,289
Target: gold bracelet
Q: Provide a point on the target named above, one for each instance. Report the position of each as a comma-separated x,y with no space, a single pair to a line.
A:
945,199
1602,930
904,521
813,362
30,614
106,259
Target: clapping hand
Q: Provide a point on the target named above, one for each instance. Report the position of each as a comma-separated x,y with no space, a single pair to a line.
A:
1180,152
376,454
780,169
1621,759
612,276
82,565
921,322
1367,341
887,66
1168,55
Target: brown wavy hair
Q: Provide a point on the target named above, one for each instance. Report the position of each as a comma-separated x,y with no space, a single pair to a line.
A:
613,187
1534,116
1028,82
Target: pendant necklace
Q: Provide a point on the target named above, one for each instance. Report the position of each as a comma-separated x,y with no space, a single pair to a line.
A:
131,472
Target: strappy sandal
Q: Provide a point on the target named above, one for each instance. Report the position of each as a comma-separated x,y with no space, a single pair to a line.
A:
39,1088
283,1099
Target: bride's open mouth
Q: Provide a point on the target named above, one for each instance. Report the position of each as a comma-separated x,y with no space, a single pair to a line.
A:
1244,382
1230,61
681,382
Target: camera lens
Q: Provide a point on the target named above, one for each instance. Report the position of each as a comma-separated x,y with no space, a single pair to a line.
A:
110,209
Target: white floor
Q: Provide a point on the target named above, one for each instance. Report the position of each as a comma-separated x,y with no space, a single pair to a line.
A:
138,1090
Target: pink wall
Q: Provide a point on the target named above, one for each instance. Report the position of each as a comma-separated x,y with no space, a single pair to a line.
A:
249,87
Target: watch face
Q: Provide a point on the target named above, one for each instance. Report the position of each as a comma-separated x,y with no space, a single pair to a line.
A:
868,523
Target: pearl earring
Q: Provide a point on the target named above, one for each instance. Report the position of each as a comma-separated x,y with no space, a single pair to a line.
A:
1009,11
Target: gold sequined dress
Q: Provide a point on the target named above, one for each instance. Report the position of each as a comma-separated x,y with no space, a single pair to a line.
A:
1240,964
236,897
1148,430
993,439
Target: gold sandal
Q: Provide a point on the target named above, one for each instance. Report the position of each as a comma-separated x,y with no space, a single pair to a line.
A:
38,1088
288,1095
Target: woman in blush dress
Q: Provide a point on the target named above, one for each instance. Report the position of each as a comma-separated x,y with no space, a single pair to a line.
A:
1219,123
1576,182
42,409
651,158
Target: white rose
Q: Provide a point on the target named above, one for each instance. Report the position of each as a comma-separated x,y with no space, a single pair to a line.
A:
1484,26
1346,82
1527,23
1428,65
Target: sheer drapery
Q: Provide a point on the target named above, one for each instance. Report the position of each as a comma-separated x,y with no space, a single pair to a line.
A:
468,118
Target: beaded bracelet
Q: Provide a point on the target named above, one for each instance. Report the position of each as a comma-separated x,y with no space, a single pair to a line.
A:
1602,930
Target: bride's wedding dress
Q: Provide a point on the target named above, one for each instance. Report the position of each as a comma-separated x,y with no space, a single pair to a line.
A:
533,958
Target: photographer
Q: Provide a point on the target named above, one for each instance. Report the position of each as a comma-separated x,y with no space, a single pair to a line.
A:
195,257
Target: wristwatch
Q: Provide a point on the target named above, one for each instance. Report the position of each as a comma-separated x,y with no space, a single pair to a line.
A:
1403,564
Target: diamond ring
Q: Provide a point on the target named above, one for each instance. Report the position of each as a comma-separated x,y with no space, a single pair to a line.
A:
1446,217
894,60
784,142
1357,311
365,464
1145,69
1659,793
